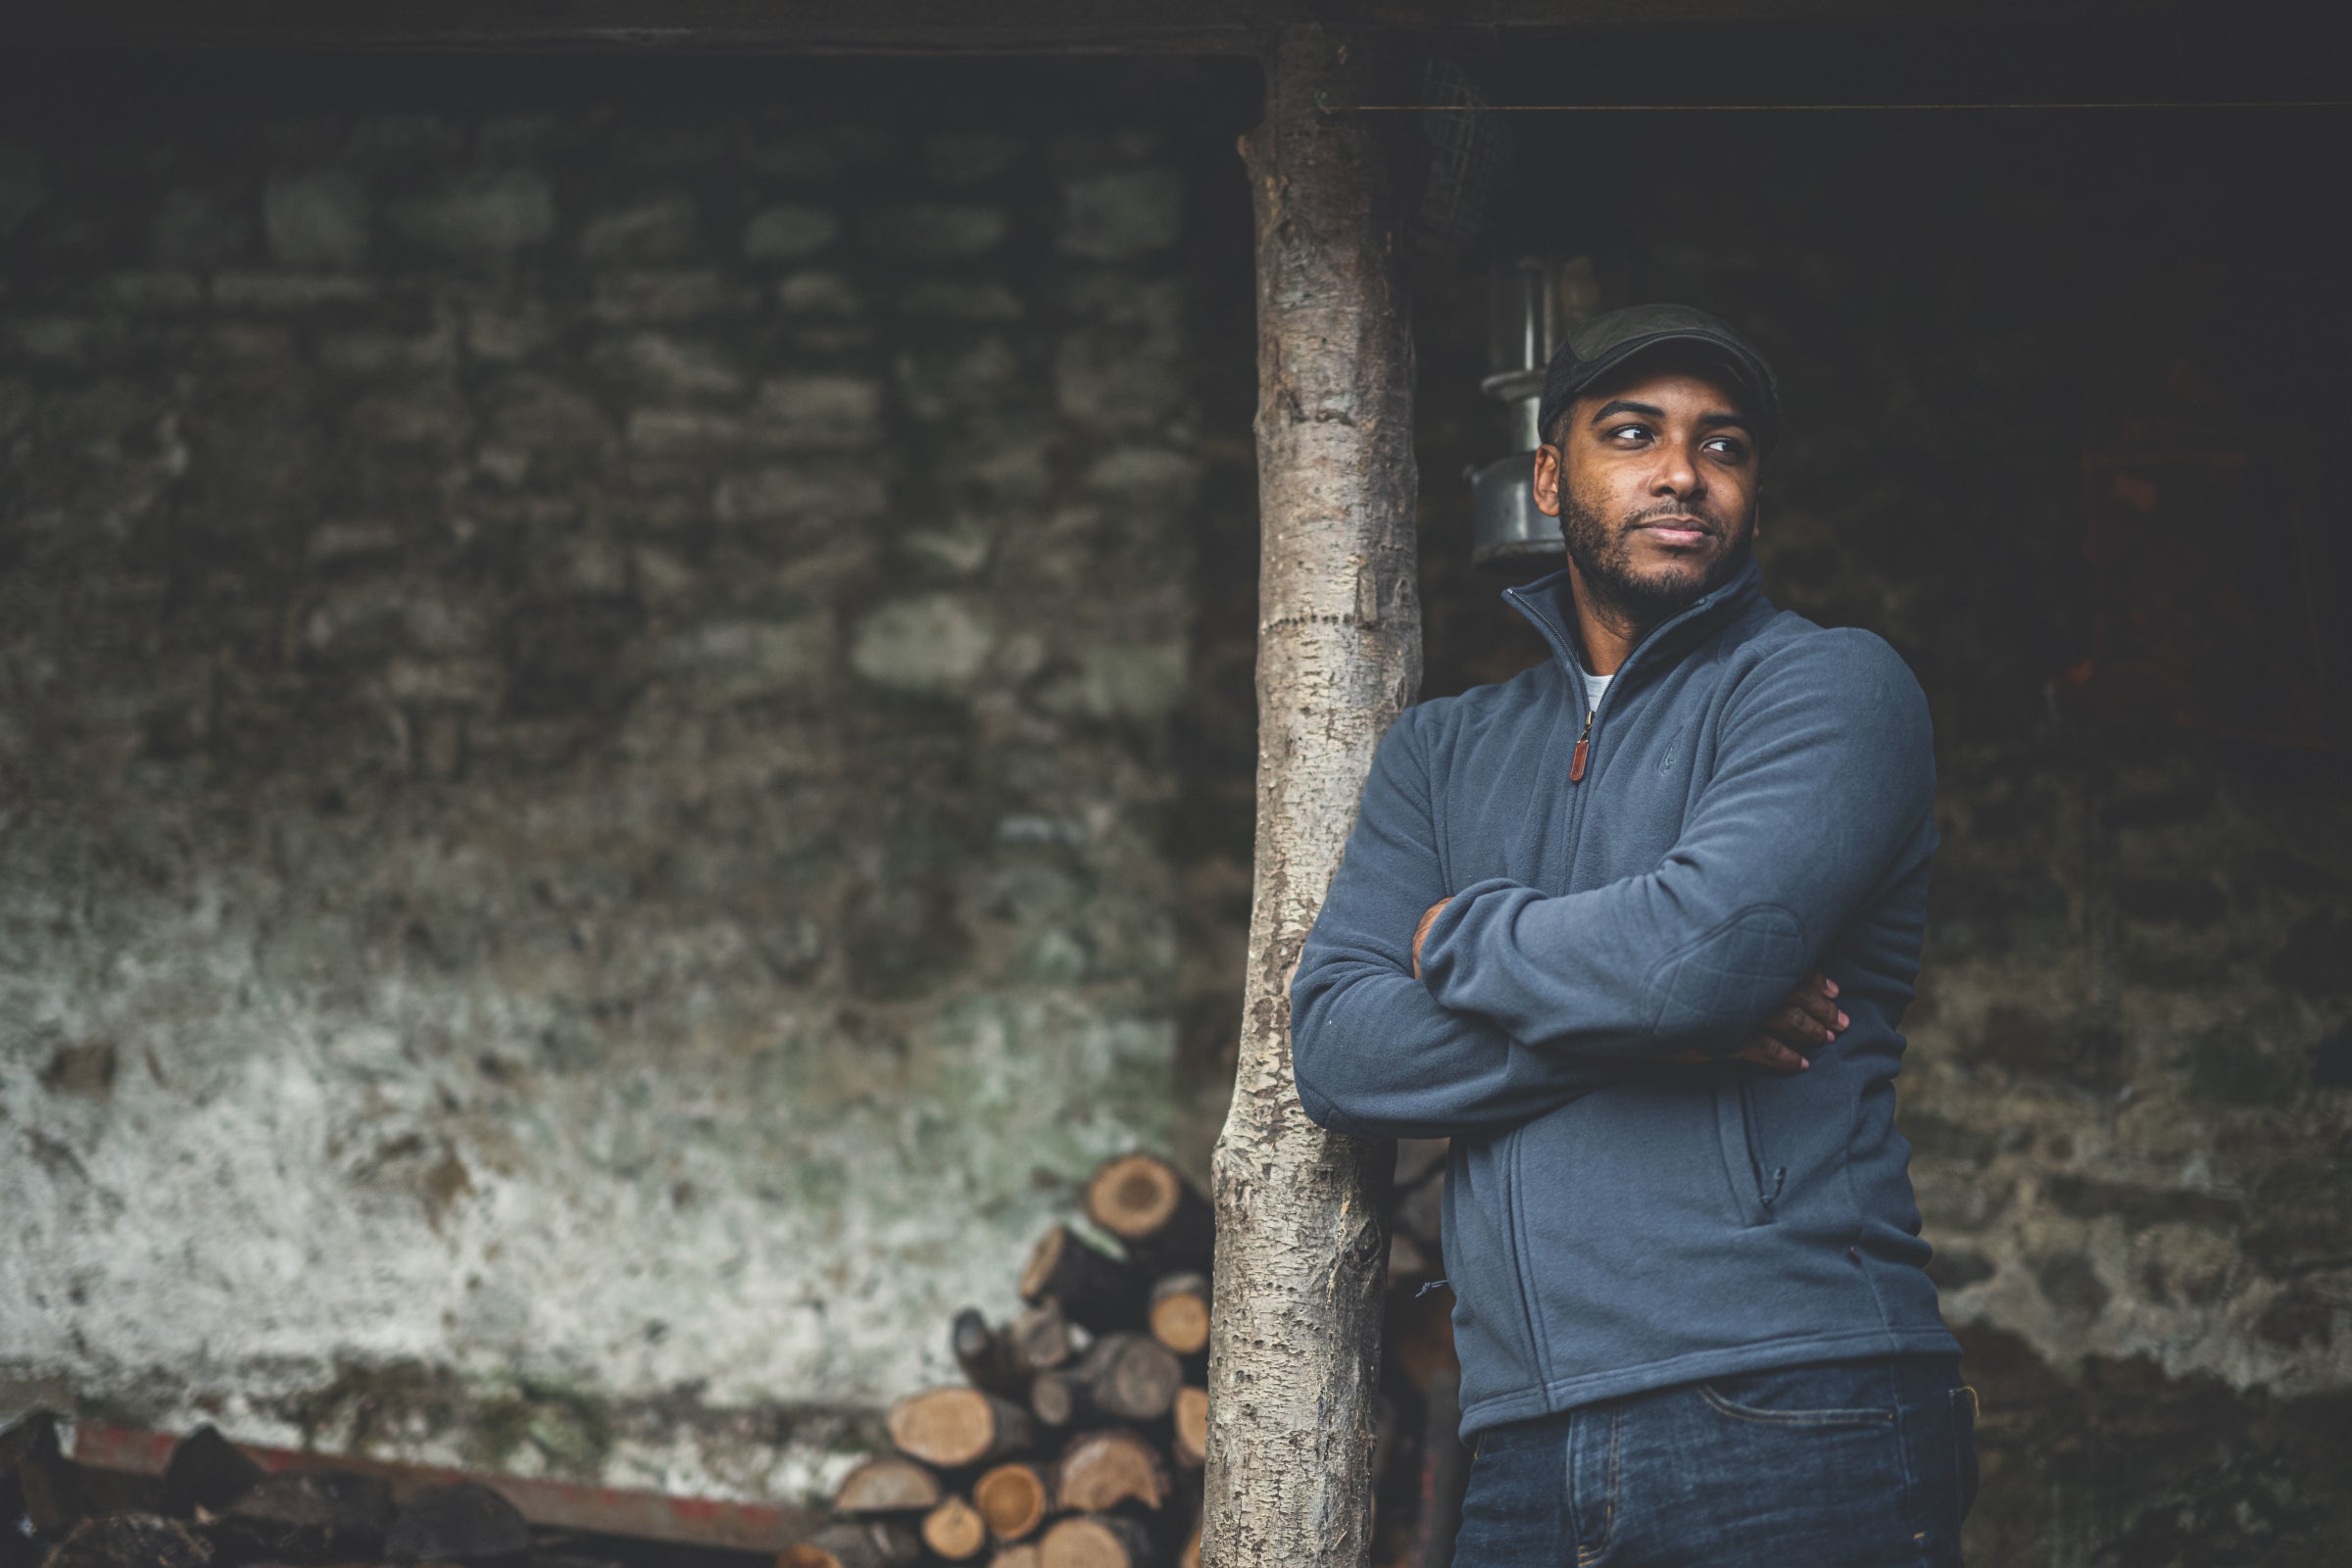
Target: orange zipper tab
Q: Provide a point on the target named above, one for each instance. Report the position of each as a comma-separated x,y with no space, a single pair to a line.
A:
1583,750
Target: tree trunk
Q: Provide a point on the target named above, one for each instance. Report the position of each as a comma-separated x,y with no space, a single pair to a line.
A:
1295,1347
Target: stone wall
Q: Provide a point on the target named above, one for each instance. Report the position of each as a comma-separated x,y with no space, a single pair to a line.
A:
589,669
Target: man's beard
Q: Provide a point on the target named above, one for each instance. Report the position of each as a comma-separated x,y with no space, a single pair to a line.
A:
1603,553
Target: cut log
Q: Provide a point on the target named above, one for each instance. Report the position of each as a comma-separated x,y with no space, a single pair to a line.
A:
887,1485
305,1516
952,1428
1121,1377
130,1541
989,1358
207,1471
1024,1555
1015,1499
864,1544
1189,1443
1180,1312
1103,1292
1149,1206
1042,1338
955,1530
463,1522
1106,1541
1103,1470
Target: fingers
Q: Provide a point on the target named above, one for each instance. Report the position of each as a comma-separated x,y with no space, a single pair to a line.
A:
1809,1018
1816,998
1766,1051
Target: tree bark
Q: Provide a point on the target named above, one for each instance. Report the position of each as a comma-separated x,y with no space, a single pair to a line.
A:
1294,1339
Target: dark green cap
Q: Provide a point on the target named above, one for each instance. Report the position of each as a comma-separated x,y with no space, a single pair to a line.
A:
1594,348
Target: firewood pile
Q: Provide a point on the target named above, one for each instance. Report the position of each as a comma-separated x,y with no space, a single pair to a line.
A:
1077,1437
1075,1440
216,1509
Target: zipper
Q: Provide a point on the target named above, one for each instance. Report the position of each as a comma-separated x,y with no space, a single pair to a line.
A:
1768,1180
1580,763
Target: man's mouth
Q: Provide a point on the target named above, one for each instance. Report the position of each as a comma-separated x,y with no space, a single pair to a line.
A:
1677,533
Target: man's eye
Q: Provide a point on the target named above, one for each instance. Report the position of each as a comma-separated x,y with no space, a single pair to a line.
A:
1728,447
1624,431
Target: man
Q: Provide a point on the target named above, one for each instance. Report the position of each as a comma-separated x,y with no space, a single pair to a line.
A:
1635,929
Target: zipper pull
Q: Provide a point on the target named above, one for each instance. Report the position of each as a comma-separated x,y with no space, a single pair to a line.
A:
1583,750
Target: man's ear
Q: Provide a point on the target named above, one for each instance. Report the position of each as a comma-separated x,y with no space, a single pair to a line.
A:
1547,480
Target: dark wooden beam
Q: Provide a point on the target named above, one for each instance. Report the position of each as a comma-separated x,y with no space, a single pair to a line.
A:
887,26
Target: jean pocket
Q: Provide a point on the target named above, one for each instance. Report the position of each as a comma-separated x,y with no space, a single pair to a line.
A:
1964,1445
1799,1396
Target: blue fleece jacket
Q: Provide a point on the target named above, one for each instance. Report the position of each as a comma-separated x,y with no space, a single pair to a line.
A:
1755,804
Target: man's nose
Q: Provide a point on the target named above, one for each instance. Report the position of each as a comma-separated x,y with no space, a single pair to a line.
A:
1677,473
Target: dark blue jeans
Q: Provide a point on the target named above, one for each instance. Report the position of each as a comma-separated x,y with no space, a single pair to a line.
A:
1850,1464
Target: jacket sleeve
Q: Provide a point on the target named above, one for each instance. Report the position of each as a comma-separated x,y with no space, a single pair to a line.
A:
1375,1054
1821,796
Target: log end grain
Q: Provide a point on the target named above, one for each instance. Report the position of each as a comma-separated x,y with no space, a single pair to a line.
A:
955,1530
1015,1499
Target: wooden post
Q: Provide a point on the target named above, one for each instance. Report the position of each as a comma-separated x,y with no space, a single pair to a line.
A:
1295,1348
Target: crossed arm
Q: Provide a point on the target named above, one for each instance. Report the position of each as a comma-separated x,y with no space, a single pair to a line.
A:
1421,1009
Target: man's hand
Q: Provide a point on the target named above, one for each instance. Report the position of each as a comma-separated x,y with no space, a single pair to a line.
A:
1807,1019
1428,918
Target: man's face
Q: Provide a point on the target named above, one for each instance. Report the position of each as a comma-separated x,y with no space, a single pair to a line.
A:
1654,479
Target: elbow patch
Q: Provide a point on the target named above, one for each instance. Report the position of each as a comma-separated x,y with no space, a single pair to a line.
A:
1726,977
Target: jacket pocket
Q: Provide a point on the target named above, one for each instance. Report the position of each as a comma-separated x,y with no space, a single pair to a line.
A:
1748,1165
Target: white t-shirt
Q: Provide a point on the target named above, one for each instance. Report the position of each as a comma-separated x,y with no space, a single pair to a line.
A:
1595,685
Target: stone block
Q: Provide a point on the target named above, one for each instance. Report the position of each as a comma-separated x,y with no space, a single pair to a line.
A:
666,432
931,644
545,414
729,661
1142,681
821,294
934,231
484,213
290,291
379,353
664,295
432,416
955,300
970,158
319,218
507,331
840,494
1104,383
817,410
1120,214
661,228
194,227
152,290
335,543
789,232
1146,476
664,366
940,380
1008,467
